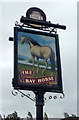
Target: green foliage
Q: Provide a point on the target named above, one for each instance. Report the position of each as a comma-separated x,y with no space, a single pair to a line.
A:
29,116
13,116
72,115
45,116
0,117
66,115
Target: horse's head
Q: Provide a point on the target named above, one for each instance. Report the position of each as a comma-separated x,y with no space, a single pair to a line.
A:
23,39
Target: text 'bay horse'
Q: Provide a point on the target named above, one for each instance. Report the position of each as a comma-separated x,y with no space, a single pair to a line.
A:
40,52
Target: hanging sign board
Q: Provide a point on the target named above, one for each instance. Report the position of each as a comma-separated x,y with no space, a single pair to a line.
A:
36,61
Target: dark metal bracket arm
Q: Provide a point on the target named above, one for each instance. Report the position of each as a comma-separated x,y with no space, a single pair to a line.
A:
26,21
15,92
43,28
54,97
11,39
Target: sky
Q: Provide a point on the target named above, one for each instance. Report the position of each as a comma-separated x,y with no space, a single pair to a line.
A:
62,12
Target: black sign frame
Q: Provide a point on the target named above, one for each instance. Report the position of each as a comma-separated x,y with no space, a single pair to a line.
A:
22,86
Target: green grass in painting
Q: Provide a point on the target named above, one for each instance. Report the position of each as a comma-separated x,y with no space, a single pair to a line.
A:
48,72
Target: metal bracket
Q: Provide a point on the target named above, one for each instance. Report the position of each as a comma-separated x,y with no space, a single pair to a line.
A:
11,39
54,30
54,97
44,28
15,92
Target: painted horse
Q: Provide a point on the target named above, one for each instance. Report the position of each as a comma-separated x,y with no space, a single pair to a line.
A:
40,52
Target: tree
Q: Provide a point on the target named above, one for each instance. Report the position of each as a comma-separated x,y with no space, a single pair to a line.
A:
66,115
15,115
72,115
29,116
45,116
4,117
0,117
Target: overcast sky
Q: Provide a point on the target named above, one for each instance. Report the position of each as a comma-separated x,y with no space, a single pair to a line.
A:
57,12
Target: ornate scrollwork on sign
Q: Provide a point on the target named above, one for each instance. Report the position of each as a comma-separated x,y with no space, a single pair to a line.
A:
54,97
62,96
44,28
15,92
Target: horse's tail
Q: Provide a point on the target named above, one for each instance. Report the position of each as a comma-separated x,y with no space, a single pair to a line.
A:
52,60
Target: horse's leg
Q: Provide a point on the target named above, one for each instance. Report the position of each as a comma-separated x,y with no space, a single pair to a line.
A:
37,65
33,60
45,61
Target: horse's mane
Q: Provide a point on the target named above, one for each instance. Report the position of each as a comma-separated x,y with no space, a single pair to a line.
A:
31,40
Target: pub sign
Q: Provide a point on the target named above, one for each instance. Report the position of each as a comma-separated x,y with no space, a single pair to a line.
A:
36,61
